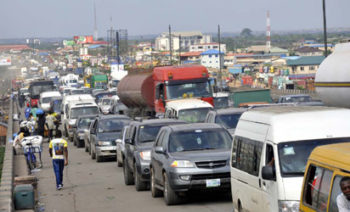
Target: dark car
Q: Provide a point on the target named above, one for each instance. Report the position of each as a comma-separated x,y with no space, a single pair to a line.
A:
190,157
103,133
228,117
83,124
138,150
101,94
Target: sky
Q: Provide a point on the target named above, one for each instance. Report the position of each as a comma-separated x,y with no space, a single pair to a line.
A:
66,18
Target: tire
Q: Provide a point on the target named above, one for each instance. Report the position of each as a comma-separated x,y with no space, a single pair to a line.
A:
155,191
170,196
128,178
139,184
99,159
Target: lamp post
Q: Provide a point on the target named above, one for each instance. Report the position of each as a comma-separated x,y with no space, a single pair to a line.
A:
324,27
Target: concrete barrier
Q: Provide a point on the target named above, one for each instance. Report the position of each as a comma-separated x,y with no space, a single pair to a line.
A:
6,186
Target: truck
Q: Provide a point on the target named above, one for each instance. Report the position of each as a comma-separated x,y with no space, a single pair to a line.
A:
251,96
147,92
99,81
36,88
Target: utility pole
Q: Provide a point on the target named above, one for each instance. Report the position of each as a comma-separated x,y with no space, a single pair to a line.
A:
179,49
117,44
324,28
170,46
220,73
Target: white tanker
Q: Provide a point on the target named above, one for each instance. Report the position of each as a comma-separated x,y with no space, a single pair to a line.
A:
332,79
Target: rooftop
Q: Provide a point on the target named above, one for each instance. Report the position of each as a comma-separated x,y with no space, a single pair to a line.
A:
307,60
211,52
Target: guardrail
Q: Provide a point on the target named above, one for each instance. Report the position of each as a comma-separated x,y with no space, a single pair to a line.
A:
6,186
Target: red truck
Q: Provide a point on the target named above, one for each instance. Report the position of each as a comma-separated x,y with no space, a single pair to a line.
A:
36,88
146,93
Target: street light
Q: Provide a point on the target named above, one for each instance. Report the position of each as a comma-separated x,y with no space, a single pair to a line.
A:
324,27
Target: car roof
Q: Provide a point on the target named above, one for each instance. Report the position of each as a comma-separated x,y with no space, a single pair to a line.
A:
156,122
232,110
87,116
188,104
195,126
105,117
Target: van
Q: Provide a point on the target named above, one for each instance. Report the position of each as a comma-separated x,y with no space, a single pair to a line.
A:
326,167
46,97
270,149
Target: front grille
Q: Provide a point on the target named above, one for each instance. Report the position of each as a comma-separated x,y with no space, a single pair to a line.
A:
210,176
211,164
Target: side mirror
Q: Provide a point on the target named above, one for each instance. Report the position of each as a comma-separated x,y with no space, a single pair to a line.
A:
159,150
118,141
268,173
128,141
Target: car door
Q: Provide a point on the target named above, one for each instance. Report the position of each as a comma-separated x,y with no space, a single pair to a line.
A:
156,157
129,147
93,135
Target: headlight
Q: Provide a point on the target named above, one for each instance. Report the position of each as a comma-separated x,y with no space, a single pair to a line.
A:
145,155
103,143
72,122
288,206
182,164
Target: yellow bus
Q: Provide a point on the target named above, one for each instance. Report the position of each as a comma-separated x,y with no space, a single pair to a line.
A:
327,170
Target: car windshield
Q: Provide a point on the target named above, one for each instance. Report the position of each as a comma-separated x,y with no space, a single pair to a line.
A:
112,125
293,155
80,111
56,105
84,123
46,100
229,121
148,133
199,140
106,101
179,91
193,115
221,102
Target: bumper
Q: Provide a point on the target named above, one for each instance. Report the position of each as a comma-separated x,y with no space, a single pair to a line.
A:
199,179
143,167
106,151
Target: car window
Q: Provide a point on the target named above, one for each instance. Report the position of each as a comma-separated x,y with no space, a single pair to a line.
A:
160,138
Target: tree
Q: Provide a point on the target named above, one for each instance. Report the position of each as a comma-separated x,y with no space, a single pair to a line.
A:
246,32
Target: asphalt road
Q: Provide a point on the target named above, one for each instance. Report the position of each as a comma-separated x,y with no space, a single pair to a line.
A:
99,187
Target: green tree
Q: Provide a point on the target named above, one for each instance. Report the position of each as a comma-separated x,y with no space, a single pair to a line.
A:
246,32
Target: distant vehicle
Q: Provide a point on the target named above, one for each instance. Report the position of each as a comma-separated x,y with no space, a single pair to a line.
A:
77,91
221,100
189,110
299,99
103,133
326,167
120,145
138,150
228,118
36,88
55,107
190,157
46,97
270,151
106,103
100,94
83,125
99,81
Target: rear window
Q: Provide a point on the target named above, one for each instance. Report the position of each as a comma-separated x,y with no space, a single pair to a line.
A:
148,133
199,140
112,125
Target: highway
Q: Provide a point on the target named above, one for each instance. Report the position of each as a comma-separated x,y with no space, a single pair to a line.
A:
99,187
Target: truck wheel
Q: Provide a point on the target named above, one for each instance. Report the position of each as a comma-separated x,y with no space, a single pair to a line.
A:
155,191
128,178
139,185
170,197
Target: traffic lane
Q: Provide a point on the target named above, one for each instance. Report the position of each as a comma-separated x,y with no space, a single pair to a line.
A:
92,186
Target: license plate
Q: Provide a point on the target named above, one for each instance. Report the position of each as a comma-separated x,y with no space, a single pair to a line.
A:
213,183
109,148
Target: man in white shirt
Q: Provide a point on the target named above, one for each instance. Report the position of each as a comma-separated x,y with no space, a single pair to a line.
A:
343,199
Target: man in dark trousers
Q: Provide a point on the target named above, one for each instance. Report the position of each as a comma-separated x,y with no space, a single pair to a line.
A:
58,149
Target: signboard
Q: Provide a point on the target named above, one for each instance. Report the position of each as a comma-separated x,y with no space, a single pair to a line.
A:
68,42
5,61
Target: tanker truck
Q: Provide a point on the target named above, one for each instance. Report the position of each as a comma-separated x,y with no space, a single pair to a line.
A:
332,79
147,92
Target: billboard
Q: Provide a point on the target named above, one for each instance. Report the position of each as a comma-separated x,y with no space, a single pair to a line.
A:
83,39
5,61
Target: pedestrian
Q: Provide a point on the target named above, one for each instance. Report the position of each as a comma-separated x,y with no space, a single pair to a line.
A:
50,124
343,199
41,122
58,149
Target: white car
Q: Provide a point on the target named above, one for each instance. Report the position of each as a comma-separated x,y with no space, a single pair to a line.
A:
45,99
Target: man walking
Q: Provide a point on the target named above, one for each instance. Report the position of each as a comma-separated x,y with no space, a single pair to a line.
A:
58,149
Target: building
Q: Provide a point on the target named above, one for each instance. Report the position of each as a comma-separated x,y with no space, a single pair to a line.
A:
308,51
304,67
4,48
191,57
210,58
183,39
207,46
262,49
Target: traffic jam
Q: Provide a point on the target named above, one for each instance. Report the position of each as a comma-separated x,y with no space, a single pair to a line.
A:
171,132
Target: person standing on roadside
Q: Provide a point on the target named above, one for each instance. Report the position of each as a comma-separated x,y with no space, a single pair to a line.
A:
58,149
50,123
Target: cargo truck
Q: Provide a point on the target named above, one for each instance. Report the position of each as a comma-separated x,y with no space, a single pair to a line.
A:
146,93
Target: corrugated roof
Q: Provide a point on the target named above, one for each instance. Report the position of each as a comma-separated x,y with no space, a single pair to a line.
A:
305,49
211,52
310,60
190,54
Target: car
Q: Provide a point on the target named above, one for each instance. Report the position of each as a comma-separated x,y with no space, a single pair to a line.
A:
83,124
45,98
138,146
103,133
120,142
190,157
77,91
228,117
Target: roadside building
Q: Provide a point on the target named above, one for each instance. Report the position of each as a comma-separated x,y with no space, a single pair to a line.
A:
210,58
304,66
183,39
190,57
207,46
308,51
